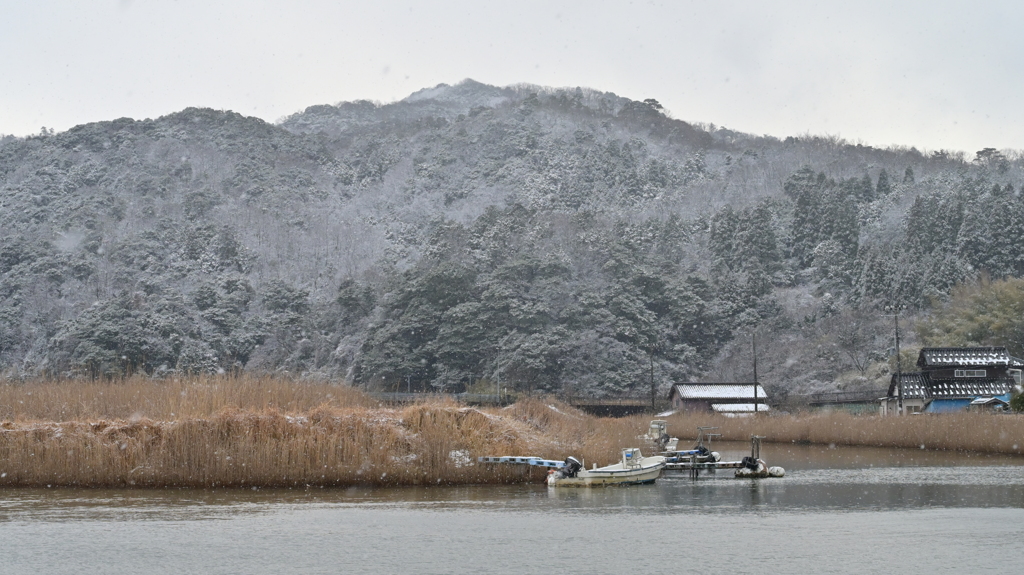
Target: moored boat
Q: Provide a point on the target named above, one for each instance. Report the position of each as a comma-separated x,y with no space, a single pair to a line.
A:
633,469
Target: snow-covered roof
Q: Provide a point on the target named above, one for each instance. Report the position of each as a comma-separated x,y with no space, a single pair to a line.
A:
914,385
920,385
980,387
963,356
988,401
739,407
713,391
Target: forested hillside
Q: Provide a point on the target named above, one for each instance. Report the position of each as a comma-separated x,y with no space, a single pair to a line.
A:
546,240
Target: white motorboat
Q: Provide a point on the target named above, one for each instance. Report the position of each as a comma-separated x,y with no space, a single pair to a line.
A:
633,469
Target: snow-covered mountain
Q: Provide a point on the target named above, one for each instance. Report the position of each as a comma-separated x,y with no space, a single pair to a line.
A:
557,239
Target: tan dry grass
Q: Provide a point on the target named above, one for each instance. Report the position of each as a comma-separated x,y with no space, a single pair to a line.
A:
267,432
976,432
568,431
166,400
272,432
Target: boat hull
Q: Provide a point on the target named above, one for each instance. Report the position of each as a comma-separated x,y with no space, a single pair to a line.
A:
649,470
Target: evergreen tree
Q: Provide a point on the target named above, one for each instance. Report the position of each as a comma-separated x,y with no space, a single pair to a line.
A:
990,237
722,236
759,240
883,188
867,190
804,188
933,222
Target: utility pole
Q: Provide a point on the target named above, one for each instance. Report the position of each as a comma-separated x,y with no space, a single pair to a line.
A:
753,345
899,375
651,356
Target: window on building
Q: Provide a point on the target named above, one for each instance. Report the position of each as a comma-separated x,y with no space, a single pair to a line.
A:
1015,374
969,373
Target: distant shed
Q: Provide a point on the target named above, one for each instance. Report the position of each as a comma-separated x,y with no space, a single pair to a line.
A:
724,398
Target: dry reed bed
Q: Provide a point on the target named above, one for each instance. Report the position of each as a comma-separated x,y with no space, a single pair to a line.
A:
268,432
263,432
167,400
416,445
976,432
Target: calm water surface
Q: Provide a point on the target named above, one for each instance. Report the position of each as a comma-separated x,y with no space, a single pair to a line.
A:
844,510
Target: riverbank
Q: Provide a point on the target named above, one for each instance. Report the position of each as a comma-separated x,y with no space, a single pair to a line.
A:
266,432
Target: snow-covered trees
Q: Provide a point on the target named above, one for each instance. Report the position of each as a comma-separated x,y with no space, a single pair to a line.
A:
822,212
544,239
595,320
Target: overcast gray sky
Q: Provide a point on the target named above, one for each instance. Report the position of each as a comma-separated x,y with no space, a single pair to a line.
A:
930,74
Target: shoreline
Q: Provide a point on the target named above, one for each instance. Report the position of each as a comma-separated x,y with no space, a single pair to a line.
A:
245,433
420,445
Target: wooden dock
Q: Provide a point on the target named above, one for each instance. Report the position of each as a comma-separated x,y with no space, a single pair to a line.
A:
687,466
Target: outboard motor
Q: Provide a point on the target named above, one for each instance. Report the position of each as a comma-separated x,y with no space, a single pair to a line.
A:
750,463
572,466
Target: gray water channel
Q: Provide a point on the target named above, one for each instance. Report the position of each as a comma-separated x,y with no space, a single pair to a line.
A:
839,510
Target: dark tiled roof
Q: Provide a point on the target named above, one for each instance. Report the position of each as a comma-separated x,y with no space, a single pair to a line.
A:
973,388
963,357
914,385
919,385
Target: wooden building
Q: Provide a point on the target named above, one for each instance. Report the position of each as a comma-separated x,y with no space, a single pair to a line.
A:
731,399
953,378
